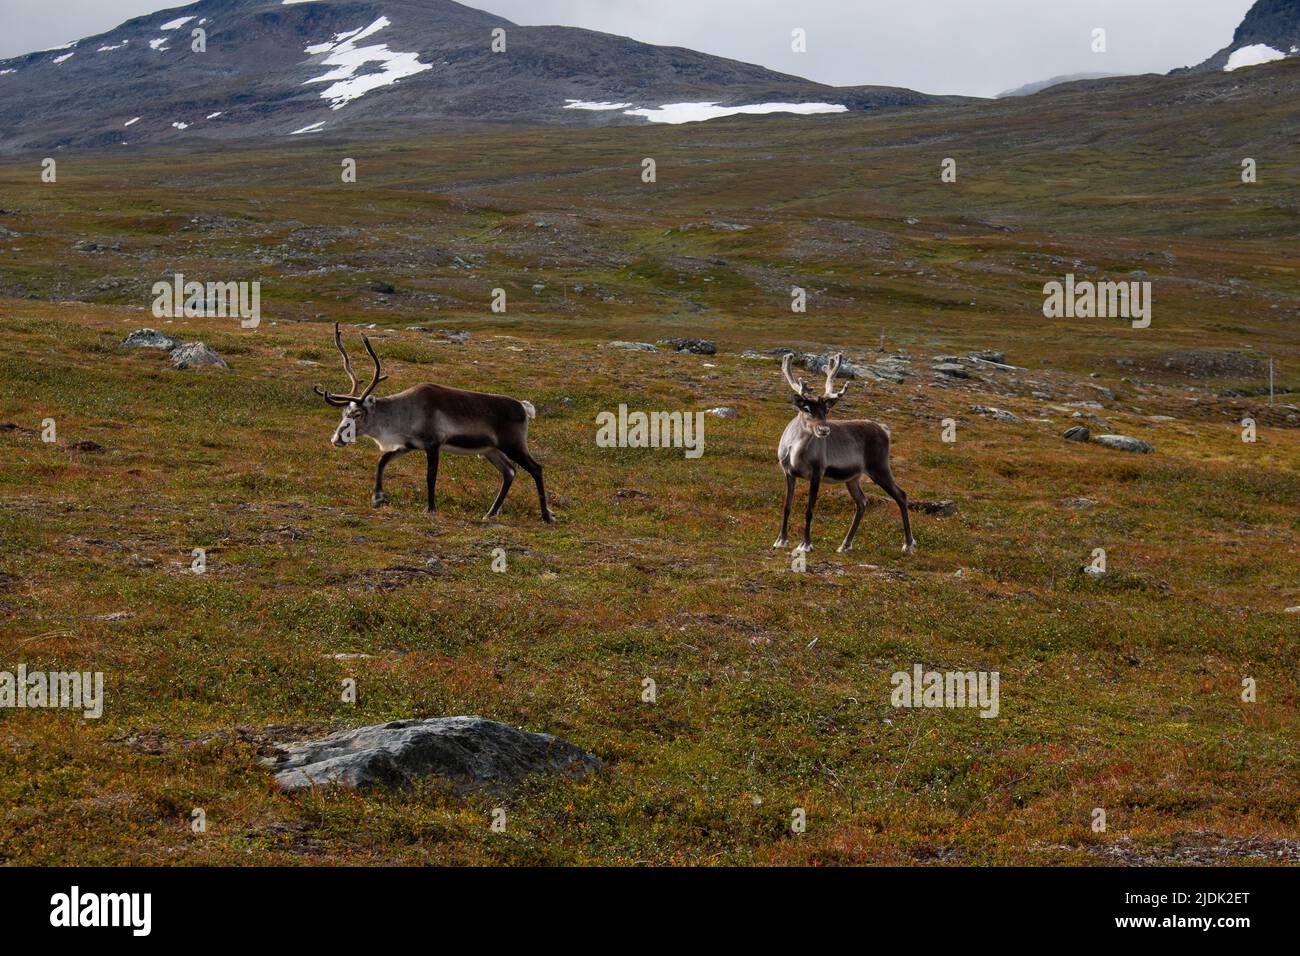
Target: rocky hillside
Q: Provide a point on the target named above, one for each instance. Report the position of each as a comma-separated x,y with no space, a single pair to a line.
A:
1270,31
276,68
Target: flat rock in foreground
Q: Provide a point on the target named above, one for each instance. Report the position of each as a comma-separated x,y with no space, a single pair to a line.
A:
469,752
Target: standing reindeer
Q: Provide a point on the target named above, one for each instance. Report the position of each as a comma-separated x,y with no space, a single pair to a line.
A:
432,418
814,448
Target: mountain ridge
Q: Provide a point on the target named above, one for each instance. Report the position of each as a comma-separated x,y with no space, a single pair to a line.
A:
276,68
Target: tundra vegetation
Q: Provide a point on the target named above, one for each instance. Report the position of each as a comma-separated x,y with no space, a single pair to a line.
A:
1119,690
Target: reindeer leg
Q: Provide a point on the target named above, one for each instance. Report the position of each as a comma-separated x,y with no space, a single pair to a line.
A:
783,541
431,476
529,464
814,483
507,476
885,479
860,500
377,498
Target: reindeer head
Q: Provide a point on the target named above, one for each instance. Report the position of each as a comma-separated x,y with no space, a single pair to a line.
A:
356,408
815,407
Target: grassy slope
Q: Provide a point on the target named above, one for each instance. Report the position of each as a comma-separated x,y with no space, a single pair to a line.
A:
1121,692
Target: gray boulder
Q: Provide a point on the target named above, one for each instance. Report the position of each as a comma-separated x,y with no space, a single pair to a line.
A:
818,364
1077,433
1079,504
633,346
1091,418
997,415
694,346
951,369
470,753
150,339
884,373
722,411
1124,443
196,355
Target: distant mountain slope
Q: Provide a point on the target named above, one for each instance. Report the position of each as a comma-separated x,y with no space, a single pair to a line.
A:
284,67
1270,31
1031,88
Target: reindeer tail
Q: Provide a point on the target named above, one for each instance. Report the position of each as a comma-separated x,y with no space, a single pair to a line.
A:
529,410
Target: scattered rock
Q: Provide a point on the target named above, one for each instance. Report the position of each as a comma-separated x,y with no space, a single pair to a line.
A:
196,355
884,373
990,356
150,339
722,411
469,752
1103,390
624,494
114,616
1077,433
997,414
951,369
818,364
1079,504
1293,610
1091,418
457,336
938,509
1124,443
695,346
87,445
633,346
383,288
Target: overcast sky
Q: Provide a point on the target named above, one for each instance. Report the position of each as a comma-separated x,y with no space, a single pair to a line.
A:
976,47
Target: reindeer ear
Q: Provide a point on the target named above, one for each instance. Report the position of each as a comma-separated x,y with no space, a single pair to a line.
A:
369,402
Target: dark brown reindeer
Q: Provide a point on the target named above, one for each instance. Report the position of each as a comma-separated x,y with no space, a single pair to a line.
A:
813,448
434,418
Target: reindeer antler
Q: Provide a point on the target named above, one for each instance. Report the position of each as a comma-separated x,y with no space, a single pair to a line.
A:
352,396
832,369
799,387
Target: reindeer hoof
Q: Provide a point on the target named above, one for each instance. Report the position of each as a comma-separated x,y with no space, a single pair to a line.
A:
909,548
377,499
549,519
781,543
805,547
844,549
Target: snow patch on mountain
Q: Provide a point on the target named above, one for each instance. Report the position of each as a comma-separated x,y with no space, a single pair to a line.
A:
697,112
347,58
66,56
313,128
1252,55
173,24
109,48
591,105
